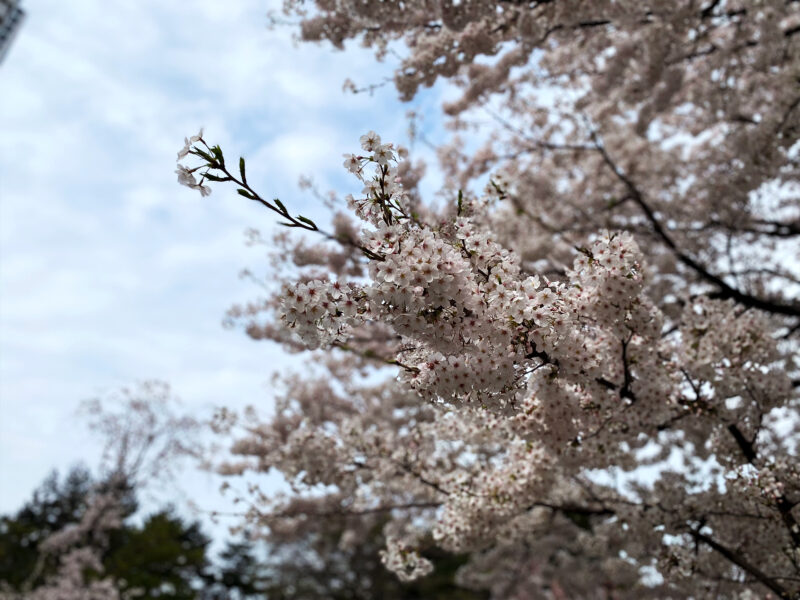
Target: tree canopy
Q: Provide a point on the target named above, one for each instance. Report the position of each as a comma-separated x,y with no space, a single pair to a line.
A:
582,366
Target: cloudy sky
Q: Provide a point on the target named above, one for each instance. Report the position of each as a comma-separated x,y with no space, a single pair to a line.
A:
109,271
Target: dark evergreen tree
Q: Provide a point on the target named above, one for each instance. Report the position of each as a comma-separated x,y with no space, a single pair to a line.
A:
164,556
54,505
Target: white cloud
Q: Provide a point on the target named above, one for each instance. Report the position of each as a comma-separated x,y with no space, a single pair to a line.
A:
109,271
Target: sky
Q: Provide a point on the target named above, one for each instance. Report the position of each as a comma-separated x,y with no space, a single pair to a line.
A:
110,272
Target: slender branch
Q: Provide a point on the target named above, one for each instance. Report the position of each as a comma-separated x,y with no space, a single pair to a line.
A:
431,484
216,161
783,505
288,514
741,562
725,290
369,354
745,446
709,10
356,513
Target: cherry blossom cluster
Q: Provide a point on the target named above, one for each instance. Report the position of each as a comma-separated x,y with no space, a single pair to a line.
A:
320,312
473,322
405,561
185,175
381,197
497,500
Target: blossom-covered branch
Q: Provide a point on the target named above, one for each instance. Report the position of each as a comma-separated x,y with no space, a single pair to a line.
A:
581,367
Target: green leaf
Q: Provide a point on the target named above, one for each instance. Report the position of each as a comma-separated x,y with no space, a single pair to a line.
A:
280,205
241,169
211,177
307,221
246,194
218,156
203,154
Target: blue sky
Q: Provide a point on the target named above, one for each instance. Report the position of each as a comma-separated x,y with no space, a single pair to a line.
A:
110,272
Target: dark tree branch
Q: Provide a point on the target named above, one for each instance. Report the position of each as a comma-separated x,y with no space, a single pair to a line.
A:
725,290
783,505
742,563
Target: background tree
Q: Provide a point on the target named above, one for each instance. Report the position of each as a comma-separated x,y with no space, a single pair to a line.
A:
237,573
73,541
55,504
164,556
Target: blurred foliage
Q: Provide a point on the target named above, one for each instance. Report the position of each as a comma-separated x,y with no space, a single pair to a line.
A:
55,504
317,565
165,556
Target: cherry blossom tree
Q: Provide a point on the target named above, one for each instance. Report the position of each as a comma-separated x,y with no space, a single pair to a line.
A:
582,368
143,440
